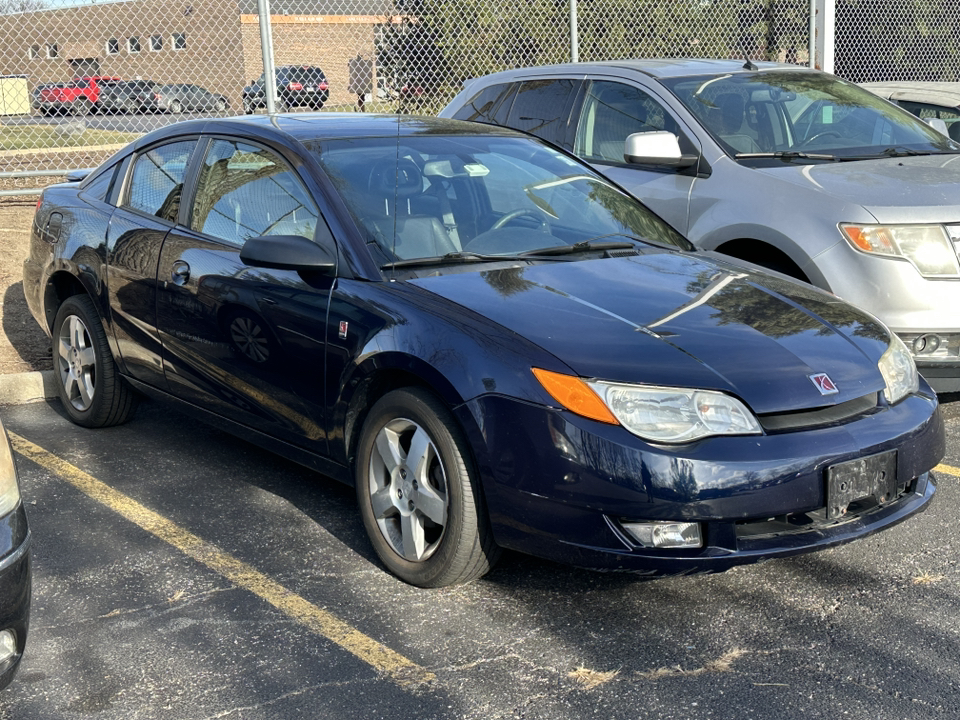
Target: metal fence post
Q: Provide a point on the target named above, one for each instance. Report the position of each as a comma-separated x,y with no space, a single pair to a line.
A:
825,35
266,50
574,36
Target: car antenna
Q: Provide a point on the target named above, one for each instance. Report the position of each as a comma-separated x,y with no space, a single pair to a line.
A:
749,65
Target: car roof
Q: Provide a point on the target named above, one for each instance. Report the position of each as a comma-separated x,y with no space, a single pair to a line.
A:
304,127
658,68
938,93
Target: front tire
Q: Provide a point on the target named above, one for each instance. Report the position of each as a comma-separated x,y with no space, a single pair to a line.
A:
419,496
89,385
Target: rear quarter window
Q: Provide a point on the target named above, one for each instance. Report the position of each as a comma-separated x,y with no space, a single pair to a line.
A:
482,106
542,107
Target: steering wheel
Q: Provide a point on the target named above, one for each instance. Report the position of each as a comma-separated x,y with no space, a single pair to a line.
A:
825,133
520,212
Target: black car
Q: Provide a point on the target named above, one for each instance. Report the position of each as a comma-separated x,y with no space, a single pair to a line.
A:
131,96
297,86
183,97
15,576
493,344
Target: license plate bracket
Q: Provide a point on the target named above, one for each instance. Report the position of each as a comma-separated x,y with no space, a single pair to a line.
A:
871,476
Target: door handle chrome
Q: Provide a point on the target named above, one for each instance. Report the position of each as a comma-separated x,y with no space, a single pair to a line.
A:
181,272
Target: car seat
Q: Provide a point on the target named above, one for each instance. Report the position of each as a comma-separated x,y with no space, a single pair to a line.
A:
396,190
728,122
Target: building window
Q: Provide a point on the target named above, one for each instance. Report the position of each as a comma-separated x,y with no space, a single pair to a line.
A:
179,41
113,46
156,42
133,45
34,52
53,50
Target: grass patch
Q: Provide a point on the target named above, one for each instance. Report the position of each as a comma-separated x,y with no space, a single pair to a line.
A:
68,135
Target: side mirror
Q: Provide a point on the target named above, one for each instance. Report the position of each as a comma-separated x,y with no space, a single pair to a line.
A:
937,124
287,252
656,148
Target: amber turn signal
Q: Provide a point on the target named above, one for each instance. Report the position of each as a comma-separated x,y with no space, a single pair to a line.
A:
575,395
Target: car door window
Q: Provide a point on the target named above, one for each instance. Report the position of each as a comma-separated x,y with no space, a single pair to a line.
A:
542,107
481,107
156,183
611,112
245,191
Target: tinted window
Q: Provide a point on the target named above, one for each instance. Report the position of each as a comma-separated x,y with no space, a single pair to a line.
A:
481,107
611,112
542,107
98,186
304,74
157,180
245,191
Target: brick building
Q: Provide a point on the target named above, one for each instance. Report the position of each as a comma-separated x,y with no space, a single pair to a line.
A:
211,43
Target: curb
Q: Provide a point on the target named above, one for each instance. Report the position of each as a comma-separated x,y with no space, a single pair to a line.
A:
26,387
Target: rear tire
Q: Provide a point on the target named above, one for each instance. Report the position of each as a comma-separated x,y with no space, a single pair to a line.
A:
176,107
91,389
419,495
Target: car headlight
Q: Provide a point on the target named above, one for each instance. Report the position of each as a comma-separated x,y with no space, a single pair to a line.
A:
675,415
926,246
899,371
9,489
658,414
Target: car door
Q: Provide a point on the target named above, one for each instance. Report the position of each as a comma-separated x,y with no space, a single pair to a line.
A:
147,208
611,110
240,340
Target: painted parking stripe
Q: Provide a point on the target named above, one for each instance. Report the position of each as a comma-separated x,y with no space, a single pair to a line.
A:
397,667
948,470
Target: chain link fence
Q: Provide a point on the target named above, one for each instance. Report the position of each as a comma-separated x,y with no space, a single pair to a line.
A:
78,82
917,40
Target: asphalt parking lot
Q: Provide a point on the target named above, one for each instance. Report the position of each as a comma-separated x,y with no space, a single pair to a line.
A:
181,573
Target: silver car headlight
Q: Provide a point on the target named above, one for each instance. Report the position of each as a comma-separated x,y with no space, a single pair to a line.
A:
9,489
928,247
675,415
899,371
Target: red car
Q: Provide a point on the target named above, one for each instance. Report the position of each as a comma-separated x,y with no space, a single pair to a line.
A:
80,96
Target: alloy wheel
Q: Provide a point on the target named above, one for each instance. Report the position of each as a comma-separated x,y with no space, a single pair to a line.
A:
408,489
77,363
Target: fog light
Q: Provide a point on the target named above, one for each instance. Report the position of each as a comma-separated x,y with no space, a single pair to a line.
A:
926,344
8,645
666,534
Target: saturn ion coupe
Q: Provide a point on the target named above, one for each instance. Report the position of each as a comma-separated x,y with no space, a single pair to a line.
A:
495,345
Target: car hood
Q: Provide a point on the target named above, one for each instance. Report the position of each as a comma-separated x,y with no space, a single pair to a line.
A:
904,189
682,319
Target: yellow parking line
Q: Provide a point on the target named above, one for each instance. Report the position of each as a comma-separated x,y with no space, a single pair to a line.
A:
948,470
385,660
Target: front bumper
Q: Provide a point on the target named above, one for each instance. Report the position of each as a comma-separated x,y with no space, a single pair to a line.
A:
15,587
908,303
558,485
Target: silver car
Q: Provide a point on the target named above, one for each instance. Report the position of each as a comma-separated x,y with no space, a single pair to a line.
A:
786,167
929,101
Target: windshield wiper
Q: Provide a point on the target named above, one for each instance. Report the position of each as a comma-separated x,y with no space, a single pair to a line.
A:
451,257
585,246
786,155
893,152
549,253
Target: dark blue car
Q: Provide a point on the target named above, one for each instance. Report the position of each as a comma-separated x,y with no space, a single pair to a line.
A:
498,347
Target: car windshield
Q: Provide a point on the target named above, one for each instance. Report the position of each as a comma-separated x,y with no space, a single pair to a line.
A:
466,198
802,115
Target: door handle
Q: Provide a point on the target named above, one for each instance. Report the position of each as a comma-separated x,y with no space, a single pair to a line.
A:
181,272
